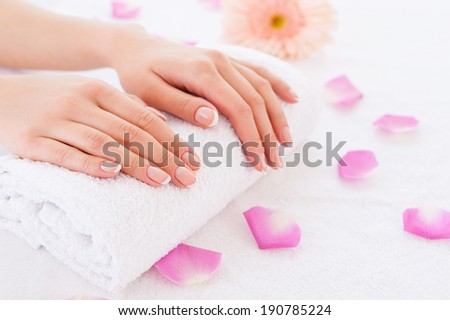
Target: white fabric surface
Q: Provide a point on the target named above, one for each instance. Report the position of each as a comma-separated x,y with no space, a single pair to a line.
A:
111,231
353,246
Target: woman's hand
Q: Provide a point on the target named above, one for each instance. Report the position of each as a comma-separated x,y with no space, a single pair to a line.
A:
88,126
194,84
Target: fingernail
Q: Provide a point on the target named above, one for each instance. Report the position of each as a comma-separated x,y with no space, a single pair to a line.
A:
293,95
158,113
185,177
111,167
279,162
191,159
263,166
158,175
207,116
286,136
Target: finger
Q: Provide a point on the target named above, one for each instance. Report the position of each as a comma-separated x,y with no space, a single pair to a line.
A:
98,144
273,106
280,87
153,127
143,104
139,142
63,155
259,106
214,88
195,110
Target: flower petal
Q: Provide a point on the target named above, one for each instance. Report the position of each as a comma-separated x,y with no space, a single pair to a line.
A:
358,164
288,29
272,229
212,4
86,297
427,222
188,265
123,9
342,93
396,124
192,43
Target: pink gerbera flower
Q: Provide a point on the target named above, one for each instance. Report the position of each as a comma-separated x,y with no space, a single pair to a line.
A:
289,29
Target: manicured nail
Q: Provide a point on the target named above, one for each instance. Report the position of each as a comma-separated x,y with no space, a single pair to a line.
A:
192,160
158,113
263,166
279,162
185,177
286,136
158,175
207,116
293,95
111,167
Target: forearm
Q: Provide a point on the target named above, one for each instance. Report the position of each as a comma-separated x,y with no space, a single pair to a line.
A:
32,38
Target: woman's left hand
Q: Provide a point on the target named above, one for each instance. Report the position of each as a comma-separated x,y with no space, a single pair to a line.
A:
195,84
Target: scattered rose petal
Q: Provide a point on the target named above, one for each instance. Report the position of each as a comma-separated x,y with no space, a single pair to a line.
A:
124,9
190,42
342,93
427,222
177,40
211,4
86,297
272,229
189,265
356,165
396,124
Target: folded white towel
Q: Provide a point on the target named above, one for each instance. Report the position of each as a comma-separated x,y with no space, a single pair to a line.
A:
111,231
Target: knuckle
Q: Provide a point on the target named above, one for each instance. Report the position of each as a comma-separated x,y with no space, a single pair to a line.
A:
137,100
217,56
243,111
263,85
68,103
27,143
128,130
182,104
87,165
145,118
27,136
279,117
93,87
95,140
257,102
134,164
258,69
204,66
61,155
167,158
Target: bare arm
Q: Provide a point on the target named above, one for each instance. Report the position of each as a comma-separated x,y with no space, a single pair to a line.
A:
192,83
32,38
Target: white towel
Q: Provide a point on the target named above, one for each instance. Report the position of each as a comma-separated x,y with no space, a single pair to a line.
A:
111,231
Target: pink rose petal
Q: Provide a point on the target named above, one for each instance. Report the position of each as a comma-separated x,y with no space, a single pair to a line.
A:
358,164
396,124
272,229
190,42
342,93
427,222
189,265
211,4
86,297
123,9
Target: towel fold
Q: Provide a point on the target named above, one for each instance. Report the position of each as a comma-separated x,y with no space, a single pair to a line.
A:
111,231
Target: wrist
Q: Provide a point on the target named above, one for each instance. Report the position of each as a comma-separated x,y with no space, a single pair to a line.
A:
123,40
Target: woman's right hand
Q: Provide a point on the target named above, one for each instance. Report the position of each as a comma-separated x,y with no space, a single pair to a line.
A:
82,124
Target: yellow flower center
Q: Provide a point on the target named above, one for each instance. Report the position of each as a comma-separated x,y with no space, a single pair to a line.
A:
278,21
